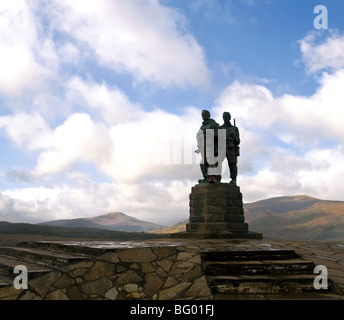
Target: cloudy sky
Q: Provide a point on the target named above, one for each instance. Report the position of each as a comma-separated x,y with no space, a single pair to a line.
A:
101,100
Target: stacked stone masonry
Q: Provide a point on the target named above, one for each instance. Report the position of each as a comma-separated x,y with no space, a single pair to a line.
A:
152,273
216,211
216,207
152,270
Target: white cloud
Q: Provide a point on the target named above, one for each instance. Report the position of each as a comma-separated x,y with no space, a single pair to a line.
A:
302,120
27,130
151,146
82,197
78,139
282,151
21,205
18,41
144,38
112,104
325,55
290,144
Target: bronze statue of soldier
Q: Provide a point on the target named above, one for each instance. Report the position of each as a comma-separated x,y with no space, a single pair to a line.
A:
232,146
208,147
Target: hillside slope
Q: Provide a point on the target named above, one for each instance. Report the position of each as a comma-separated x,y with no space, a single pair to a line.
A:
21,230
293,218
297,218
112,221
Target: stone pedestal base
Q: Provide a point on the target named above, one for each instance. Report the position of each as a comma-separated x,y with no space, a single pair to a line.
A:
216,212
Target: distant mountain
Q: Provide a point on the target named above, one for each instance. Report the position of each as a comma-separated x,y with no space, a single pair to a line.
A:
297,218
293,218
117,221
178,227
20,230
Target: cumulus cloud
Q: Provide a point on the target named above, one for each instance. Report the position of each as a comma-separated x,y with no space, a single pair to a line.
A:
158,145
112,104
323,54
143,38
83,197
20,69
290,141
21,209
290,144
27,130
78,139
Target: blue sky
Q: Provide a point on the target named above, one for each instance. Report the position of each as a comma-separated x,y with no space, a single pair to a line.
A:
100,102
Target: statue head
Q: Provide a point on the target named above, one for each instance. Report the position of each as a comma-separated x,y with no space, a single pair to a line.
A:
226,117
205,114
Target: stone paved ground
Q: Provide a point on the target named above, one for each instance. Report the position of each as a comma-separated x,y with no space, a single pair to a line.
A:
329,254
162,269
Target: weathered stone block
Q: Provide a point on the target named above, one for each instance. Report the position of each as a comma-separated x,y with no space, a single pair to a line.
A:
99,269
166,264
57,295
216,226
173,292
131,287
99,287
163,252
112,294
83,264
170,281
136,255
225,218
64,281
192,274
223,226
147,267
9,292
77,272
74,293
28,296
109,257
199,288
42,284
128,277
185,255
153,283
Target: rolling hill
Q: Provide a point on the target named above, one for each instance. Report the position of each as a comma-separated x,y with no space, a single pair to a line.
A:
178,227
12,233
297,218
117,221
292,218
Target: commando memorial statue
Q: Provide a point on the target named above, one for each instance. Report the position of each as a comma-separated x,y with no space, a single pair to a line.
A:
207,144
216,208
215,143
232,146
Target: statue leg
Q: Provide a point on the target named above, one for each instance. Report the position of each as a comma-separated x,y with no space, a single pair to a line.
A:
204,169
233,170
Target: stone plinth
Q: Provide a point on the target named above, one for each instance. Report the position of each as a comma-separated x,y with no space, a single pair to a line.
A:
216,212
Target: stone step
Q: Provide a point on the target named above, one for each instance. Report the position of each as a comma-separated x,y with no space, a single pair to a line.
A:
273,267
64,247
42,257
280,296
249,255
7,265
264,285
